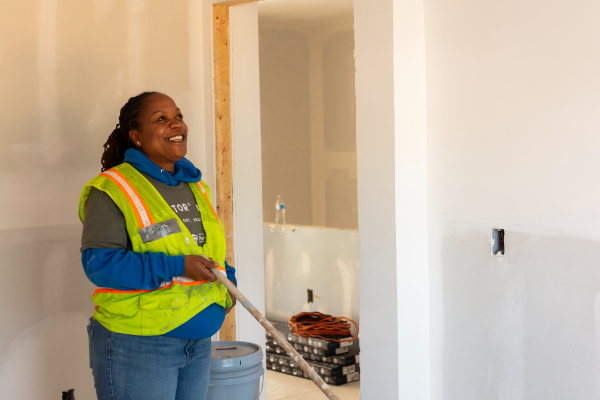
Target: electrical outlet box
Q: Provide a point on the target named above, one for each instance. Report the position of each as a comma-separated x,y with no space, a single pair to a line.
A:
497,242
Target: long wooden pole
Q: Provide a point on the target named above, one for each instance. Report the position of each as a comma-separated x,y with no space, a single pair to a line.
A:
275,333
224,187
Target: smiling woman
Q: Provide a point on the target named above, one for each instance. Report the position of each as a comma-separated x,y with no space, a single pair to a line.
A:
163,136
150,238
146,122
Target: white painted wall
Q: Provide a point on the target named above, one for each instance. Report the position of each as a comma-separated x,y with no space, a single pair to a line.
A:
247,193
298,258
308,118
513,95
392,198
66,68
411,194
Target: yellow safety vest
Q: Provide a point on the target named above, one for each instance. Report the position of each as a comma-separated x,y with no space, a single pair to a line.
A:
153,226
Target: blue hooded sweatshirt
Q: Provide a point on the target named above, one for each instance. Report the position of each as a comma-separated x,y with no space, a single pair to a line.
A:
127,270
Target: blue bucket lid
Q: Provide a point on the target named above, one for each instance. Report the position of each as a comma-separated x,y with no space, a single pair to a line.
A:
230,356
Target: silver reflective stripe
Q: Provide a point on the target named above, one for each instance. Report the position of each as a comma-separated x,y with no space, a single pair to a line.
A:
201,188
176,279
159,230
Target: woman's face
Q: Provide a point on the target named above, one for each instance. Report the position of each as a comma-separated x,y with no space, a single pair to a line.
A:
163,134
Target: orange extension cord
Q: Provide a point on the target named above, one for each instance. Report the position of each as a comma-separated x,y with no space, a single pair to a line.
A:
321,326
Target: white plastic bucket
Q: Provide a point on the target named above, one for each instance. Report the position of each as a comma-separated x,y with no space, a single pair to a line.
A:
235,371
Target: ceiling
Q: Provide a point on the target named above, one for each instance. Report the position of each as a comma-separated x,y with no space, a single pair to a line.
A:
305,11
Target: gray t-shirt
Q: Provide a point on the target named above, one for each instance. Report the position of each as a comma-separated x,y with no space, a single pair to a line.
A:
104,226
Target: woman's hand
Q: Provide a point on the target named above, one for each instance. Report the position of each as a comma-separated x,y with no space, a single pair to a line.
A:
233,301
199,268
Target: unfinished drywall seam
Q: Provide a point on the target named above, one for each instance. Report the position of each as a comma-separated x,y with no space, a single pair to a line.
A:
47,65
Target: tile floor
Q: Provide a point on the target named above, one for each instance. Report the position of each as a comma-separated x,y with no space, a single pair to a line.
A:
287,387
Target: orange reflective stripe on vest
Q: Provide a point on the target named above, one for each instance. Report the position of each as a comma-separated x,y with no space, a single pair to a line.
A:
165,285
138,206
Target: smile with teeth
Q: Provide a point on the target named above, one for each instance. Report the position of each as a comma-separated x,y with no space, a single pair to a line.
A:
177,138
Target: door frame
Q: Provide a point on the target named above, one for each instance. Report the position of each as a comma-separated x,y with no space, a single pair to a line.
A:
392,188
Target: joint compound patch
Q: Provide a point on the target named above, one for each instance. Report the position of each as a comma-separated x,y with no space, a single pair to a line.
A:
159,230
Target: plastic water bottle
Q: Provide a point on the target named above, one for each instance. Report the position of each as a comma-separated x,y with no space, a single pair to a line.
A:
280,211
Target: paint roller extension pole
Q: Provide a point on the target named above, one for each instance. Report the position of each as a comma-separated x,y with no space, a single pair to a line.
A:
275,333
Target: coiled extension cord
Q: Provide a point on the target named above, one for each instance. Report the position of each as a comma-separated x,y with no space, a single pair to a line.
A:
322,326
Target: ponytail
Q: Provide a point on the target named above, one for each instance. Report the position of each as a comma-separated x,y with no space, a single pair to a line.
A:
119,141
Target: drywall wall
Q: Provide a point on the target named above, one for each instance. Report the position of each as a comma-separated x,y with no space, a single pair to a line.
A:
66,68
305,11
392,199
285,118
298,258
247,193
338,161
411,194
513,95
308,119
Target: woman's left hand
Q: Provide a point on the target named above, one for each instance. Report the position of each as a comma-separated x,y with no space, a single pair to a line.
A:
233,302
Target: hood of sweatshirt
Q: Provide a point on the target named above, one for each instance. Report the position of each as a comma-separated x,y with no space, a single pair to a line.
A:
185,171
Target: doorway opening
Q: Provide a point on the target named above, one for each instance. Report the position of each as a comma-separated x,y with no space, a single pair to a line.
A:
308,130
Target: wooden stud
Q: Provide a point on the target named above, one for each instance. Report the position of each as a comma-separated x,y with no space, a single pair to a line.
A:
222,98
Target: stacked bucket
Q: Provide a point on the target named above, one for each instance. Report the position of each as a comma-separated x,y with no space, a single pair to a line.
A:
336,362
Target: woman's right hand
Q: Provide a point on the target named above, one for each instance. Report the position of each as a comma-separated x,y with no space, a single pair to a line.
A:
199,268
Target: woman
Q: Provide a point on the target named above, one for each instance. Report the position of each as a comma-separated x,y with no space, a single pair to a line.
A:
150,238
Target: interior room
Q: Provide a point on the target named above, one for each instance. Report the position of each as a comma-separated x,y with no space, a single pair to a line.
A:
308,128
474,121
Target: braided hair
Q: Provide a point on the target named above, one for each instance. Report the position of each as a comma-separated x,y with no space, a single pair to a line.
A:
119,141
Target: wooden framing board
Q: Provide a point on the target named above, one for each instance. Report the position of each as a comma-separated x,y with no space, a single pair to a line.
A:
222,99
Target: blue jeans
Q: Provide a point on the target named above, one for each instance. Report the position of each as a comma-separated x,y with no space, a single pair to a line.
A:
130,367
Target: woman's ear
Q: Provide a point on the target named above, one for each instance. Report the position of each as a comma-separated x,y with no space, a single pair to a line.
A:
135,137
